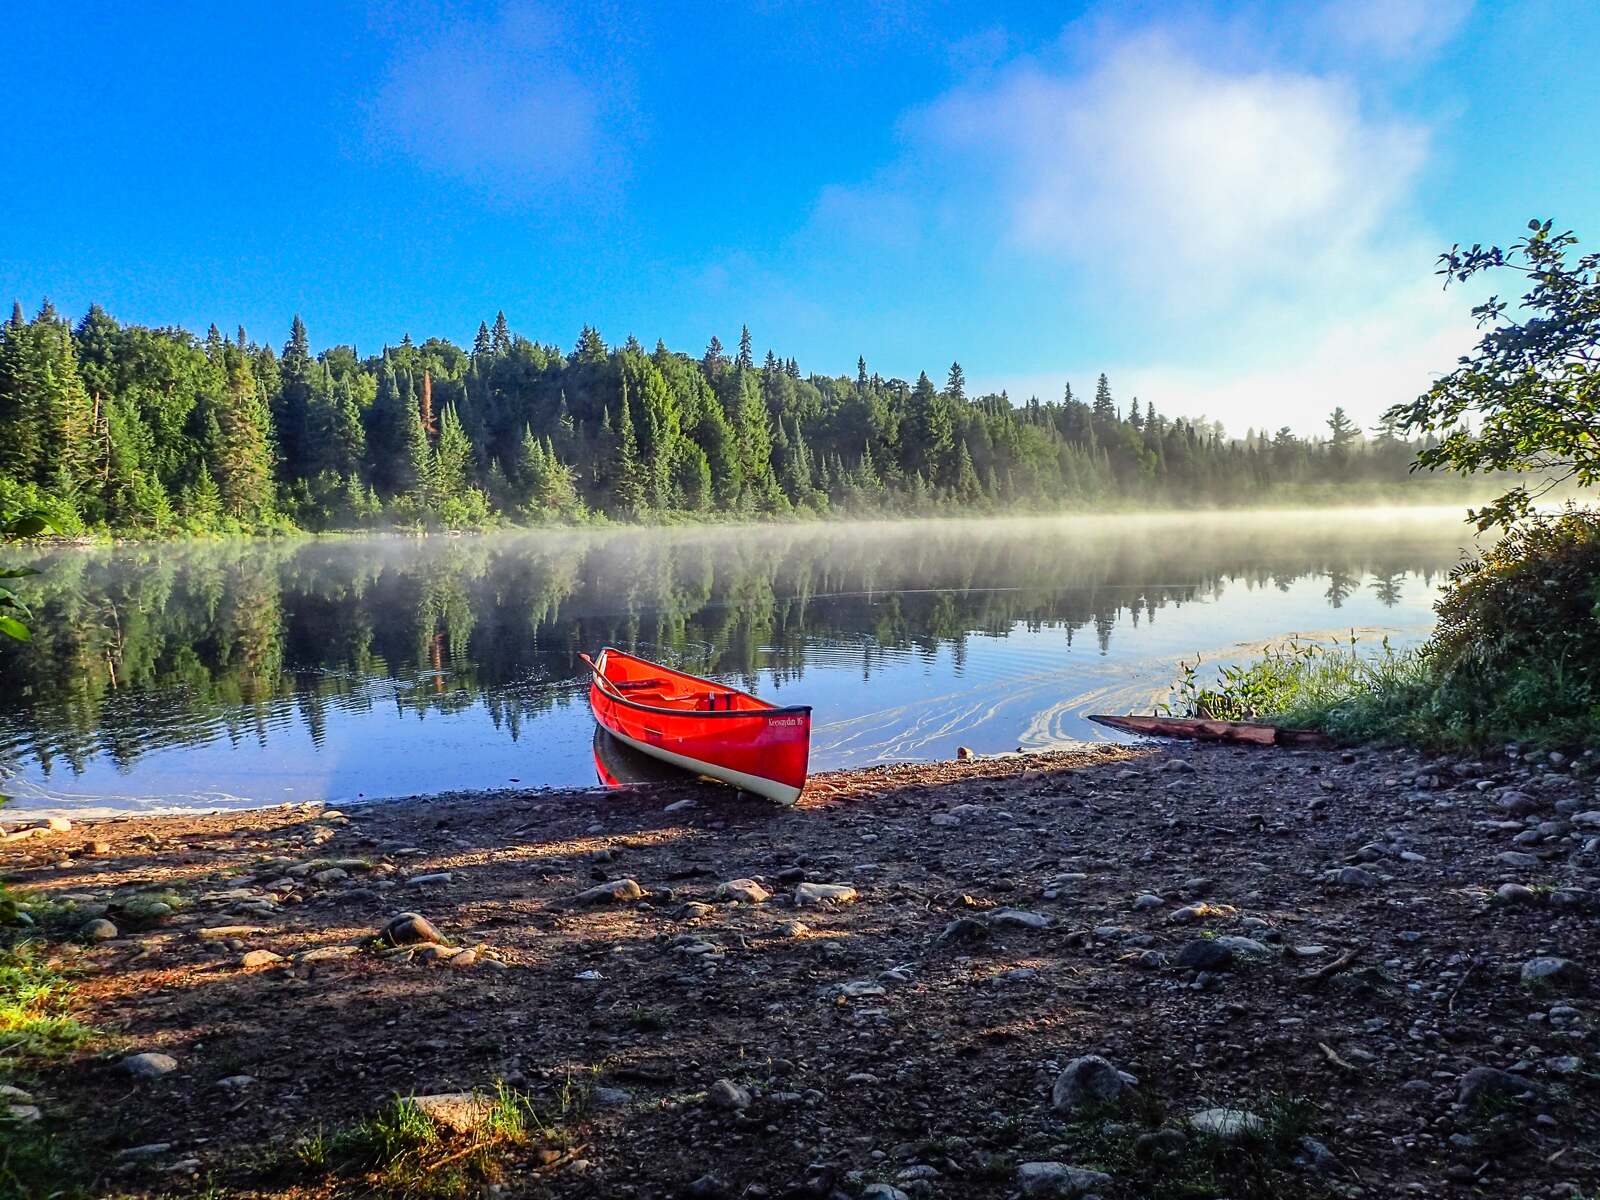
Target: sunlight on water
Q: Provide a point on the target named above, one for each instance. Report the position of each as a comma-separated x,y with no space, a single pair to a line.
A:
224,675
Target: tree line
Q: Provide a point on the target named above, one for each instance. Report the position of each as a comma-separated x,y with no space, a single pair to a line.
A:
105,426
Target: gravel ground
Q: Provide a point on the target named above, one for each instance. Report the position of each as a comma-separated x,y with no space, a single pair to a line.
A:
1039,975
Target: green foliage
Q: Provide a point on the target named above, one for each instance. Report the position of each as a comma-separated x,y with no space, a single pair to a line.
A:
12,611
1528,398
153,432
1515,656
402,1152
36,1022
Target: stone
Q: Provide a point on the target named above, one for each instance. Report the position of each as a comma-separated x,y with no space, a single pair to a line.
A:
1159,1145
1484,1083
707,1187
617,891
1517,804
680,806
253,960
332,876
223,933
1516,893
1517,858
745,890
1560,973
1248,947
459,1112
1088,1082
1019,918
794,929
327,954
1056,1179
1227,1124
23,1114
824,893
149,1065
724,1093
435,879
964,931
411,929
150,1150
1587,820
98,930
883,1191
237,1083
610,1097
1147,900
1204,954
1354,877
1317,1158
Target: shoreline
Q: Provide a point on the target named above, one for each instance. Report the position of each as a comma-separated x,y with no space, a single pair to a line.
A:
1335,942
1316,501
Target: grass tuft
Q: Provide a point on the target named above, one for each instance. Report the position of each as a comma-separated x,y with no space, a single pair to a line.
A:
403,1153
35,1022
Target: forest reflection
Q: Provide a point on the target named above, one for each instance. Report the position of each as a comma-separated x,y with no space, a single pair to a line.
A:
143,647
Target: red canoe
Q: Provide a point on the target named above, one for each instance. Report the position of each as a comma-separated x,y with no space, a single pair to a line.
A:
702,726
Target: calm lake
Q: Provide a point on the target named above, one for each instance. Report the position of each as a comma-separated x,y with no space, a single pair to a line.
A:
247,673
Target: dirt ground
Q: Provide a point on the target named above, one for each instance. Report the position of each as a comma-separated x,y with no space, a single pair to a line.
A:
1322,940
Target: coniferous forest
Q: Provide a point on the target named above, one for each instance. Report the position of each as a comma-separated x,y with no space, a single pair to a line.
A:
118,428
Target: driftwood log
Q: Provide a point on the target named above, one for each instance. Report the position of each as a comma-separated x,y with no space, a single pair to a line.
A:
1217,731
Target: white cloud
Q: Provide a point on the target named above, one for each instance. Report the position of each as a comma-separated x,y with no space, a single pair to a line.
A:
1180,178
503,104
1395,29
1251,232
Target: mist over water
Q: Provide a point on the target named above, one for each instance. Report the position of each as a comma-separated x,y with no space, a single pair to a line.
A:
246,673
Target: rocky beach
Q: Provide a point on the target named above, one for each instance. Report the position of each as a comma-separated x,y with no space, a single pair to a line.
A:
1124,971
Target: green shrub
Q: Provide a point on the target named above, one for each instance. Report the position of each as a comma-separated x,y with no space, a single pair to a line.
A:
1515,657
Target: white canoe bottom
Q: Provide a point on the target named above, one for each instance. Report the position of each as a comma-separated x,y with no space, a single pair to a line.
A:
771,789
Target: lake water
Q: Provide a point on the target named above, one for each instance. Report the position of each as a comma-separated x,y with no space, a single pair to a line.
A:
237,674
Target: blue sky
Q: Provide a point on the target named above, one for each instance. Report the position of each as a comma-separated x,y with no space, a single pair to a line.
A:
1232,209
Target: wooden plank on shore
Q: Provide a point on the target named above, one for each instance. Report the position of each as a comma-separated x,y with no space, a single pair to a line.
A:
1216,731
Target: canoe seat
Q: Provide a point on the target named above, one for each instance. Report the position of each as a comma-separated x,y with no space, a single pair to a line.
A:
638,685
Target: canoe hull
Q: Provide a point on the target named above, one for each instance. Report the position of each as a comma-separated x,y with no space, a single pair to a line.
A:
762,750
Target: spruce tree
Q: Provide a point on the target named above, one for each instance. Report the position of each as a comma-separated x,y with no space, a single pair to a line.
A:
746,360
243,460
291,407
715,362
629,487
956,384
451,457
500,340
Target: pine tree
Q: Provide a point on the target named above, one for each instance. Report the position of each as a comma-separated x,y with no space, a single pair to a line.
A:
243,460
956,385
530,464
932,429
291,407
500,340
1105,409
450,457
419,481
714,362
746,360
202,503
481,346
967,488
590,349
629,489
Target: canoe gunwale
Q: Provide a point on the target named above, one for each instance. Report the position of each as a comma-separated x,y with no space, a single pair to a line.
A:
617,697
